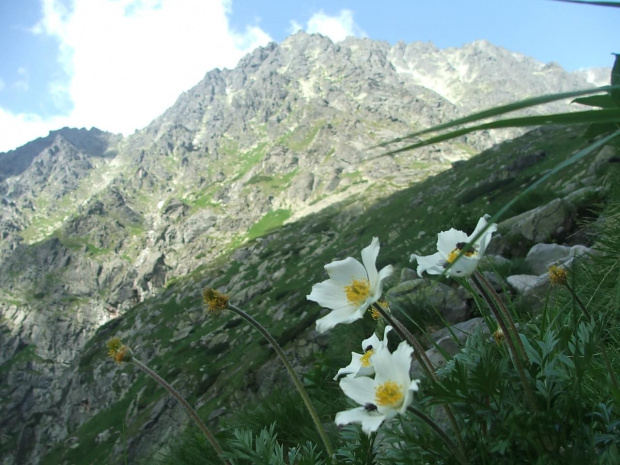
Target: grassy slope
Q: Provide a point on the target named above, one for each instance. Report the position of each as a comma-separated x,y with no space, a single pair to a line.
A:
218,357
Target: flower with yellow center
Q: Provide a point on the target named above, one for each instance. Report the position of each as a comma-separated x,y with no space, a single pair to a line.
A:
362,364
385,396
352,287
451,257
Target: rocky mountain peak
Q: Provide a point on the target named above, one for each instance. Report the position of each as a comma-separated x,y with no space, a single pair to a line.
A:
94,224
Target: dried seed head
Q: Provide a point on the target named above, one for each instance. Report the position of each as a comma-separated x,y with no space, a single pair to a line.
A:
214,301
557,275
119,352
499,336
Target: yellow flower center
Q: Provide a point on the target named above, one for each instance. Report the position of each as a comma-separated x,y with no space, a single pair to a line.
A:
388,394
457,250
365,360
357,292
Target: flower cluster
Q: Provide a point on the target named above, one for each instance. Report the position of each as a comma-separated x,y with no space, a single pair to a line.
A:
386,395
377,379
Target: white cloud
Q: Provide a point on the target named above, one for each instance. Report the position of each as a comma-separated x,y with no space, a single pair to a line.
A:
18,129
128,60
21,84
294,27
337,28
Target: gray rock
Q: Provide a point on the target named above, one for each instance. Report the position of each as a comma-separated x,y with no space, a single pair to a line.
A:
526,283
447,344
552,221
460,330
530,289
198,225
601,160
542,256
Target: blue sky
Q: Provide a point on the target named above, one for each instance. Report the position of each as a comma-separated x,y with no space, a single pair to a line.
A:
118,64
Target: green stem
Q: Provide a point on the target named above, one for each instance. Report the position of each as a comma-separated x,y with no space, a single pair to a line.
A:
578,300
294,377
405,335
444,437
482,281
511,346
188,408
424,362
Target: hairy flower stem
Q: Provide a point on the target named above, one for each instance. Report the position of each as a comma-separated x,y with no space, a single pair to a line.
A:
294,377
424,362
186,406
482,282
405,335
602,345
444,437
518,362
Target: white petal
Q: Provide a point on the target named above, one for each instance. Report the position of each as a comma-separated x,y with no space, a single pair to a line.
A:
483,241
413,387
369,258
344,315
329,294
370,420
353,367
432,264
482,223
447,240
393,366
374,340
378,285
345,271
464,266
361,390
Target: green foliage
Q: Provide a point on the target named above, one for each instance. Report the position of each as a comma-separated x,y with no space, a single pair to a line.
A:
357,448
269,222
249,449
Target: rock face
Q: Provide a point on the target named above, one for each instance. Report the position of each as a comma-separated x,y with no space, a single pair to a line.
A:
94,226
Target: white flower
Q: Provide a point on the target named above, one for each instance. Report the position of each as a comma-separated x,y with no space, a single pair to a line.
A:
361,364
350,289
385,396
449,246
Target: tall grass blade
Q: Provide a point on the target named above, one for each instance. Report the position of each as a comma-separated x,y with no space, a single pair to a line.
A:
588,2
610,115
503,109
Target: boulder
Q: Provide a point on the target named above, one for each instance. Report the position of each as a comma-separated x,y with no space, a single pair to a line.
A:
542,256
530,289
445,343
550,221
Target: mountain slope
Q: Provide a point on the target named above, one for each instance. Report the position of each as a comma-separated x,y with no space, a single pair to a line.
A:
96,226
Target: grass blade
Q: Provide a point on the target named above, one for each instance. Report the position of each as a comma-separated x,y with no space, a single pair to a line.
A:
588,2
583,117
502,109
